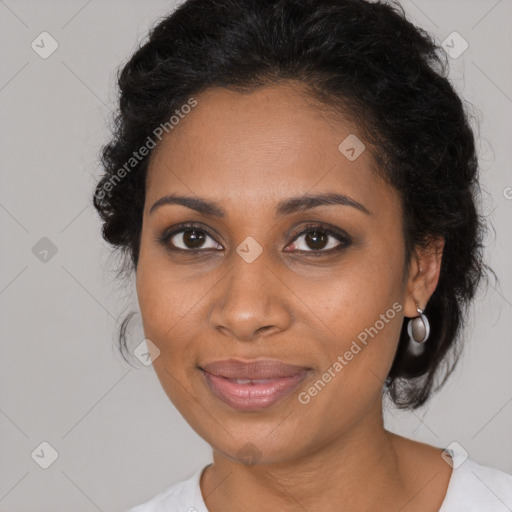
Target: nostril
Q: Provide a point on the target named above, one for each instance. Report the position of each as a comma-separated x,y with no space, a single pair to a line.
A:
264,328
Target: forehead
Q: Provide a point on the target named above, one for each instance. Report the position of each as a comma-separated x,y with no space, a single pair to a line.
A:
260,147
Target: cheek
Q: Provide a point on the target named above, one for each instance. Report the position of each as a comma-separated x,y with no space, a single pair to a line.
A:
160,295
165,310
172,313
360,310
167,315
356,292
364,324
160,305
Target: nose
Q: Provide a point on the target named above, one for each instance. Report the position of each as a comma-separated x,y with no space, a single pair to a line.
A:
251,301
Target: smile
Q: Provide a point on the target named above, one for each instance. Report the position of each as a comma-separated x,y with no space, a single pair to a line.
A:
246,394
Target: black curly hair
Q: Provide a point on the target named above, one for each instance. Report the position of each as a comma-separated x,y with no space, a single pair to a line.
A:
362,59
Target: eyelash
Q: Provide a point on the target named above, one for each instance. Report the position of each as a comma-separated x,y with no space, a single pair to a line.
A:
320,227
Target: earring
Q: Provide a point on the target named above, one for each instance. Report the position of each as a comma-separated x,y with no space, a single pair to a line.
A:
418,330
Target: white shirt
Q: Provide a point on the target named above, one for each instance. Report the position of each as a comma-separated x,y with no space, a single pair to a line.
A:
472,488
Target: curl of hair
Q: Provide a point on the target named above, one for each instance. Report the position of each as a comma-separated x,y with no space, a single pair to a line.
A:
361,59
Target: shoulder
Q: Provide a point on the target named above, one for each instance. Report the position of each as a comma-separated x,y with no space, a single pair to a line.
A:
182,496
475,487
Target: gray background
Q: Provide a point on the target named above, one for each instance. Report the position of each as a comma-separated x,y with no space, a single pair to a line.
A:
119,439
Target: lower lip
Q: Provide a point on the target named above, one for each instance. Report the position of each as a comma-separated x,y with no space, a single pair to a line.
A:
253,397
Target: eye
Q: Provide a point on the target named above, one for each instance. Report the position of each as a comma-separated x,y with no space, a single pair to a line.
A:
193,238
316,237
189,238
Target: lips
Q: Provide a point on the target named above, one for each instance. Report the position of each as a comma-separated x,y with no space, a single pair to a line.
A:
253,370
254,385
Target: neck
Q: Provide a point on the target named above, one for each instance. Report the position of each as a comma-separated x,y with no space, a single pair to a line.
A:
358,470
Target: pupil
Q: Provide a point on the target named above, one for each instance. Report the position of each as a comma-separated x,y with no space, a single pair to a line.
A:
193,239
312,238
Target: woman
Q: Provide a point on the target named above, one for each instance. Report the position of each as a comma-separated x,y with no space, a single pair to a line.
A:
294,183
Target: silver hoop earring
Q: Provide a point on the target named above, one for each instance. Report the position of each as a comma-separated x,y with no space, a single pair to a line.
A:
418,330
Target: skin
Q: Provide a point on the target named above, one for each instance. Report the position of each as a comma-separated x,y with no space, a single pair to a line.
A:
247,152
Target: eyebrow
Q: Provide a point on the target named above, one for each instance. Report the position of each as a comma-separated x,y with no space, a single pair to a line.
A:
286,207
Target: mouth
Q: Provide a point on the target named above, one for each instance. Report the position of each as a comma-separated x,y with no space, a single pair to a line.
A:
253,385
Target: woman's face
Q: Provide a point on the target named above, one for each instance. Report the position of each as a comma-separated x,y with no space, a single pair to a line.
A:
252,285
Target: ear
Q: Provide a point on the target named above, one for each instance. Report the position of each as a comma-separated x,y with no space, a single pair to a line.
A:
424,274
